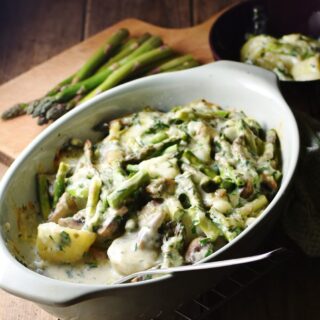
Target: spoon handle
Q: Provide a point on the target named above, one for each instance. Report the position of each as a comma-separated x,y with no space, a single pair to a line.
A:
203,266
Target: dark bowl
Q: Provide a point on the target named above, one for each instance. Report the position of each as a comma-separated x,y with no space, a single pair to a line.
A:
276,18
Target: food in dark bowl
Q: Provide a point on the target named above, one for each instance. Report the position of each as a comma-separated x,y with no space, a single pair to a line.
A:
233,28
293,57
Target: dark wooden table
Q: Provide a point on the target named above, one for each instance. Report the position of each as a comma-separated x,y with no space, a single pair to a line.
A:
33,31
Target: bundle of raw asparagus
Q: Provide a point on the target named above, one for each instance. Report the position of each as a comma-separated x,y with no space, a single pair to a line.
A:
120,59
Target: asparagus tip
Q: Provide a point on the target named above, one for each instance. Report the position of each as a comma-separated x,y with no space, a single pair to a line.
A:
17,110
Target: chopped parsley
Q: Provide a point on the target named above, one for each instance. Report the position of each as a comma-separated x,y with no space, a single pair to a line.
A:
65,240
205,241
159,125
92,264
209,252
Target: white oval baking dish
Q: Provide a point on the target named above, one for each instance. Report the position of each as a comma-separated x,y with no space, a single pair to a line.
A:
229,84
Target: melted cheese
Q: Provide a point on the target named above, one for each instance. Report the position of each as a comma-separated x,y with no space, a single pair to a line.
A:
164,166
126,257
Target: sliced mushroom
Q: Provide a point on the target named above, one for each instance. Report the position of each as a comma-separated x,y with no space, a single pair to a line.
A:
97,254
111,224
70,223
160,186
65,207
198,249
247,190
269,181
107,231
150,219
75,222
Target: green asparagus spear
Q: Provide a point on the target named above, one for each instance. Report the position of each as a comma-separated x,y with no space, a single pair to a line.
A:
171,249
43,195
15,111
65,95
93,198
43,106
196,211
100,55
60,86
88,68
254,207
127,188
92,82
92,63
186,65
150,70
129,52
42,120
198,177
156,149
171,64
193,160
56,111
154,68
59,184
32,105
121,73
130,46
59,109
270,147
148,45
125,49
223,224
83,73
132,167
229,226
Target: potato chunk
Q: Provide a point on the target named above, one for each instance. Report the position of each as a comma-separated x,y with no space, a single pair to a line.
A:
126,257
61,244
308,69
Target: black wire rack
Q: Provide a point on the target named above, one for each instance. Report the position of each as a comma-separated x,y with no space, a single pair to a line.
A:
231,285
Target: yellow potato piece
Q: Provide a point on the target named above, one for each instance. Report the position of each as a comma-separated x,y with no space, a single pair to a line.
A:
62,245
308,69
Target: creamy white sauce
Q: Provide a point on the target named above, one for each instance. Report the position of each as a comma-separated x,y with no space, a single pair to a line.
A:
102,273
126,257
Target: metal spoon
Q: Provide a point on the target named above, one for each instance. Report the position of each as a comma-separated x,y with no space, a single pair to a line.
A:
203,266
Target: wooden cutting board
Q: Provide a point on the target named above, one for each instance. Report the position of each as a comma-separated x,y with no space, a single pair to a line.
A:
16,134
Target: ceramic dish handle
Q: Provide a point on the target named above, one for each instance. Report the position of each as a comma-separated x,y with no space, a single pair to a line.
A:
23,282
261,79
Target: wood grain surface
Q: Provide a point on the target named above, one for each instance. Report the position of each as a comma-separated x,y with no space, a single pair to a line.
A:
203,9
32,33
164,13
3,169
35,30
